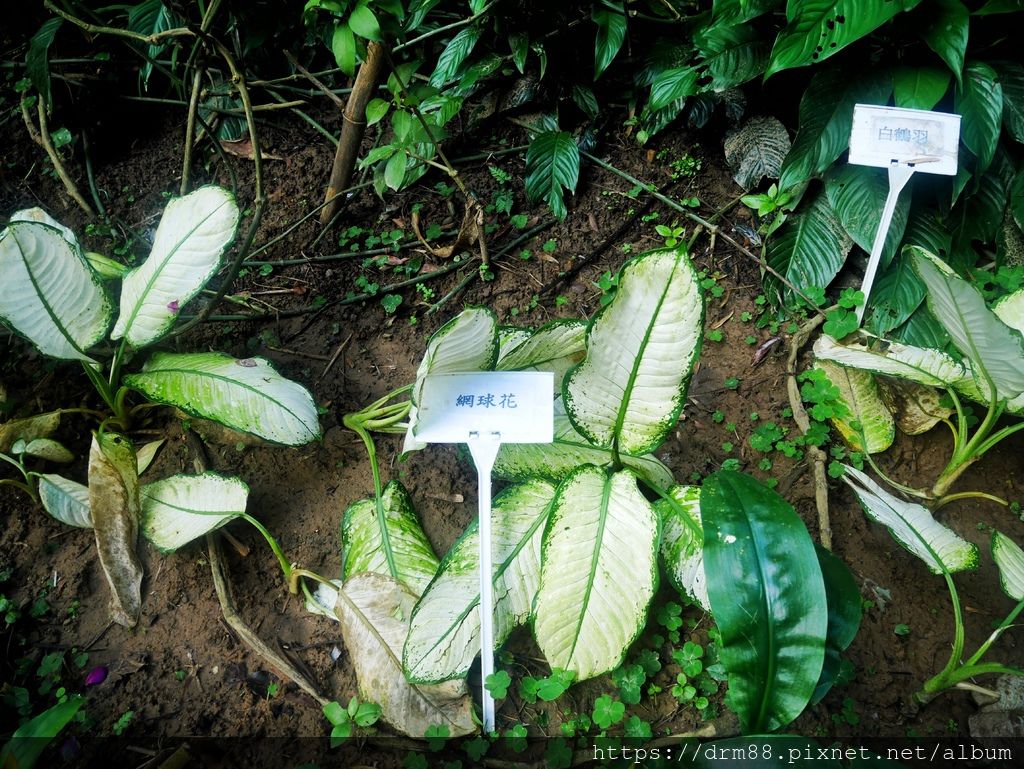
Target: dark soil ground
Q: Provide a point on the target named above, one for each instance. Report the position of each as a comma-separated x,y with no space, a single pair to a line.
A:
185,674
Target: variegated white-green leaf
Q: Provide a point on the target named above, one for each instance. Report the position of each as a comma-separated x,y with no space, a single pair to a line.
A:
40,216
387,539
996,351
50,295
468,342
1010,310
641,349
556,347
509,338
182,508
682,543
917,408
859,393
567,451
28,429
65,500
444,635
913,526
918,364
48,449
190,240
374,611
1009,559
599,571
247,395
147,453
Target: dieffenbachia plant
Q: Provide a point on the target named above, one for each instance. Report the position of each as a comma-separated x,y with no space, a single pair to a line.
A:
987,366
59,298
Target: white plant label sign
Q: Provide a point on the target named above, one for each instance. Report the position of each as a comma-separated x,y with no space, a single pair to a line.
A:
483,410
904,141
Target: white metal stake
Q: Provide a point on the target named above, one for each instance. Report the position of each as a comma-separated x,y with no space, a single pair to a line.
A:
483,447
899,175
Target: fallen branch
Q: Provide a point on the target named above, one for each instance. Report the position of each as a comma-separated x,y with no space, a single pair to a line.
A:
41,136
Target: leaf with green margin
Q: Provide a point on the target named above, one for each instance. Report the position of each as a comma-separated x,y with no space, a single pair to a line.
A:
555,347
182,508
28,429
768,599
246,395
387,540
844,616
65,500
599,572
857,194
1011,77
859,393
979,100
1010,310
811,247
641,349
913,526
919,87
453,55
945,32
918,364
611,32
31,738
1009,560
1000,6
51,295
682,543
444,633
552,166
37,58
817,29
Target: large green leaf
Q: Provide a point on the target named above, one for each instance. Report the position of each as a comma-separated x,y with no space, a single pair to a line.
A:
730,54
945,32
979,213
552,163
599,572
913,526
187,249
453,55
246,395
65,500
736,11
756,150
979,100
671,85
444,634
641,348
32,737
182,508
810,248
817,29
857,194
1011,77
844,616
611,32
682,543
387,539
37,58
919,87
859,393
569,450
995,351
1009,560
768,599
51,296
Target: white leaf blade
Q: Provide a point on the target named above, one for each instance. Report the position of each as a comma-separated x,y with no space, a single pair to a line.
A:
1009,559
65,500
682,543
556,347
147,453
182,508
918,364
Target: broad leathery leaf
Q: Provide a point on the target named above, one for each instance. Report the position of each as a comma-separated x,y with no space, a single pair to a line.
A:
894,297
945,32
444,635
65,500
114,503
31,738
641,349
385,537
192,235
343,46
995,351
979,100
552,164
913,526
730,55
37,58
768,599
567,451
857,194
40,216
1011,77
858,391
979,213
682,543
48,449
555,347
599,572
468,342
28,429
844,616
51,295
104,266
741,10
452,57
374,611
182,508
611,31
671,85
817,29
917,408
364,23
247,395
756,150
922,330
918,364
919,87
1009,559
148,18
811,247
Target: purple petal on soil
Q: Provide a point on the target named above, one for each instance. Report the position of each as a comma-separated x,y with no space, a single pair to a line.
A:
96,676
173,306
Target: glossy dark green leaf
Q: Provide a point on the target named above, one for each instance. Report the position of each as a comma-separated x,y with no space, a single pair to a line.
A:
736,11
364,23
671,85
810,248
921,329
979,212
857,195
37,59
611,31
919,87
453,55
767,596
552,164
343,46
731,55
945,32
1011,77
844,615
979,101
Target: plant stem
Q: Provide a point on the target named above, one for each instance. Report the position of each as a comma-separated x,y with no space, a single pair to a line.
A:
944,679
943,501
286,567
